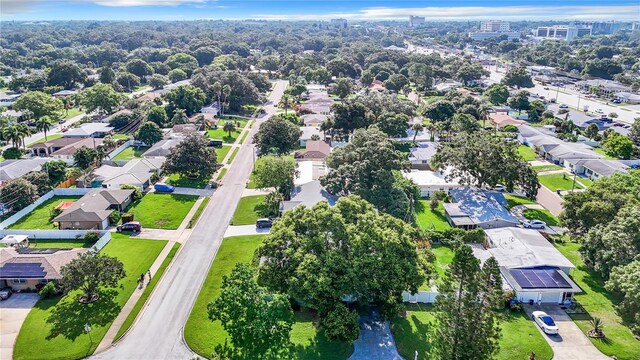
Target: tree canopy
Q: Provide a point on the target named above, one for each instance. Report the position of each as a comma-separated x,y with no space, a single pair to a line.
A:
149,133
92,271
189,98
276,135
39,104
100,97
518,77
191,157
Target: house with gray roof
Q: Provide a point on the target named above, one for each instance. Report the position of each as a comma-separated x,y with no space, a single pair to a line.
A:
477,208
15,168
93,209
162,148
89,130
420,156
136,172
597,168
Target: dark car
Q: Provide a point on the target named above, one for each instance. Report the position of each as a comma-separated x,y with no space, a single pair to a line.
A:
133,226
215,143
164,188
5,293
264,223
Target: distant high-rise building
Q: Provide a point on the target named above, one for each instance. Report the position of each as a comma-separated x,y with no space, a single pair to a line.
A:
495,26
415,21
560,32
339,22
598,27
635,27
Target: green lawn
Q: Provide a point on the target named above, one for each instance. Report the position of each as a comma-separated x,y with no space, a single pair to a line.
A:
147,292
120,137
72,112
183,181
221,152
221,173
59,243
558,181
519,335
162,211
131,153
40,217
248,210
444,257
233,155
219,133
515,200
598,302
49,137
601,152
54,328
542,168
196,215
527,153
202,334
428,219
244,137
541,214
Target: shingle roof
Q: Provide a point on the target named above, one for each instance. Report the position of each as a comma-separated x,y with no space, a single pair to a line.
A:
94,205
51,263
481,206
15,168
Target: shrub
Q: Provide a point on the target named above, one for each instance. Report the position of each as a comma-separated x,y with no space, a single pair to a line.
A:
137,194
433,204
92,236
341,324
114,217
126,217
12,153
49,290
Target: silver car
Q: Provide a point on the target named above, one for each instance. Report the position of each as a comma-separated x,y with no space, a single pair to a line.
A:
545,322
534,224
5,293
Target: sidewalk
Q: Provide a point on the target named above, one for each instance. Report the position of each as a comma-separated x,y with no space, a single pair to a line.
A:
109,337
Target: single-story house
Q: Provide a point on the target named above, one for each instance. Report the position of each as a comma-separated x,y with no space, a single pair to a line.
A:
137,172
150,96
314,149
530,265
420,156
314,119
211,109
501,120
308,191
64,93
92,210
597,168
89,130
50,146
501,109
628,97
477,208
377,85
448,85
579,118
17,115
553,149
431,181
67,152
15,168
323,108
25,270
162,148
8,98
307,132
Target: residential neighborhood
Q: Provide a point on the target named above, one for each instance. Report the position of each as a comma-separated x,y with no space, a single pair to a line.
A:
342,181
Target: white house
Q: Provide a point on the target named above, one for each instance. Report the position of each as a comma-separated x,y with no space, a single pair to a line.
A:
431,181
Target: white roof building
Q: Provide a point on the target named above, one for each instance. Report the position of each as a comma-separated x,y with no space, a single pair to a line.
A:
88,130
431,181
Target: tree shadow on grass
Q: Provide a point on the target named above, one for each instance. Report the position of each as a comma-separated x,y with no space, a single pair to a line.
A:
410,339
319,347
68,317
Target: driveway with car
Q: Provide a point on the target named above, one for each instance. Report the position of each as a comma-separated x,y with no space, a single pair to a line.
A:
13,311
240,230
570,343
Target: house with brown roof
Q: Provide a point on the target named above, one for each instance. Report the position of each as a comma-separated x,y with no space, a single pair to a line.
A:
21,269
67,152
50,146
93,209
502,120
314,149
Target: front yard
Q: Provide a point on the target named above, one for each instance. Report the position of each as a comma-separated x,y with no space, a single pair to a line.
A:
527,153
519,335
515,200
249,210
543,168
130,153
183,181
431,220
202,334
597,302
162,211
221,152
40,217
54,328
562,181
219,133
541,214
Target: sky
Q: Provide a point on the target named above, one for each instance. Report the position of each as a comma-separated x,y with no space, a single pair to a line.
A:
434,10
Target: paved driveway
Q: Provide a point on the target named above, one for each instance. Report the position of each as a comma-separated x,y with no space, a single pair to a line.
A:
571,343
13,311
245,230
375,341
191,191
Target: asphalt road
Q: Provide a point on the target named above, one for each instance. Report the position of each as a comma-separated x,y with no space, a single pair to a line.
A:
158,332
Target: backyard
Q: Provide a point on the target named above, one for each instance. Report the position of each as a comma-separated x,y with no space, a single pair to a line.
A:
562,181
40,217
597,302
519,335
54,328
219,133
428,219
162,211
249,210
130,153
184,181
202,334
527,153
444,257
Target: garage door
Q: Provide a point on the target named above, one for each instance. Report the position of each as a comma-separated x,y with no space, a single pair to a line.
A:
550,297
526,296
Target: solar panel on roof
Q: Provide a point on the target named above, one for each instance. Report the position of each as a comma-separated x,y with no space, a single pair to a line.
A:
22,271
539,278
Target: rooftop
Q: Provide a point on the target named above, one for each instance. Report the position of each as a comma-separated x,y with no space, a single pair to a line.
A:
88,129
47,265
480,206
94,205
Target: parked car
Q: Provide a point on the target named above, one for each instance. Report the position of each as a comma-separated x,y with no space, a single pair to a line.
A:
546,88
215,143
534,224
133,226
617,101
564,106
500,188
61,121
5,293
264,223
545,322
552,100
599,111
618,124
164,188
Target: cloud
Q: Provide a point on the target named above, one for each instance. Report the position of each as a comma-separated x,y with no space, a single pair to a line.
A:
119,3
10,7
621,12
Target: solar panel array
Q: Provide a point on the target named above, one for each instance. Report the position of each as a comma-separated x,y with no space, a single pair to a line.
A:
22,271
539,278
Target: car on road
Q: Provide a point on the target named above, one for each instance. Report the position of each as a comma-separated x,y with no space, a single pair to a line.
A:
264,223
564,106
534,224
552,100
164,188
133,226
616,101
61,121
545,322
546,88
5,293
599,111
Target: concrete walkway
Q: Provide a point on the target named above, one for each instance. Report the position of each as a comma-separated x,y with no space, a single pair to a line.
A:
110,336
240,230
13,312
253,192
375,341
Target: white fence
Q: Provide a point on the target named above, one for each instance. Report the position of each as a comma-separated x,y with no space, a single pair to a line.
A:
120,148
34,235
55,192
425,297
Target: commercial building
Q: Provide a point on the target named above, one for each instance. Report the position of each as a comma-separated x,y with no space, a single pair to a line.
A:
495,26
476,36
560,32
599,27
342,23
415,21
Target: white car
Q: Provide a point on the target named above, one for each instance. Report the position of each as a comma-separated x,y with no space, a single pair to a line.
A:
545,322
534,224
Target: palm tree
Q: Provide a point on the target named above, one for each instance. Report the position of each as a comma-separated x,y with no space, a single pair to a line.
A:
109,142
286,101
12,133
68,104
596,327
24,133
217,90
417,127
101,154
229,126
226,91
44,124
